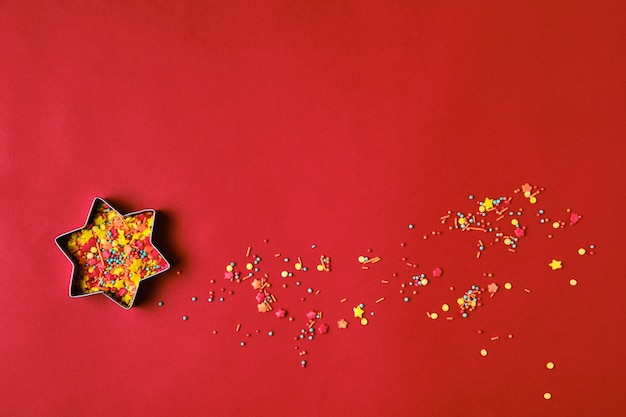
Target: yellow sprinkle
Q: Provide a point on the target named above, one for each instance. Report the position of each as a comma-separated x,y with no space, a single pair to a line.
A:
361,259
550,365
434,316
424,281
533,200
284,274
507,241
249,266
556,225
320,268
514,222
526,194
573,282
298,266
582,251
547,395
229,268
483,352
364,321
445,307
508,286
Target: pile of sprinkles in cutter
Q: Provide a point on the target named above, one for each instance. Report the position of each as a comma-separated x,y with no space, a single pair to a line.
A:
113,253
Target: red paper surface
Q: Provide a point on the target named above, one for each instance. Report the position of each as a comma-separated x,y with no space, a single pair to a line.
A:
308,122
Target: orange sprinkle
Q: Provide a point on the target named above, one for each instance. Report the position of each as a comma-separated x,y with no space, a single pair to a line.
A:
248,251
343,300
380,299
384,281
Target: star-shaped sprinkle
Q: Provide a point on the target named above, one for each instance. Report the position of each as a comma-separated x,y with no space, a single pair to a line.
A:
256,284
527,188
112,254
519,232
342,324
263,307
280,313
492,288
574,218
322,328
358,312
311,315
488,204
437,272
555,264
228,275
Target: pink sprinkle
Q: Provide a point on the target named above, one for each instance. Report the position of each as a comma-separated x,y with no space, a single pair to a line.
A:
228,275
437,272
280,313
519,232
323,328
260,296
574,218
311,315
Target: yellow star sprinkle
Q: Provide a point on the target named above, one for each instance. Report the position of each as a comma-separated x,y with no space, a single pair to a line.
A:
555,264
358,312
488,204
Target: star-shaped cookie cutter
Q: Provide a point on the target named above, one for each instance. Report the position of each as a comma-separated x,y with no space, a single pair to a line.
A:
112,253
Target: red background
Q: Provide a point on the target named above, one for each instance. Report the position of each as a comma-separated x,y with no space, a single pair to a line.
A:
302,122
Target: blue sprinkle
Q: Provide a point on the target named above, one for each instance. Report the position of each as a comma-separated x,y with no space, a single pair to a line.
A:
406,299
410,226
270,333
309,290
471,197
286,259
